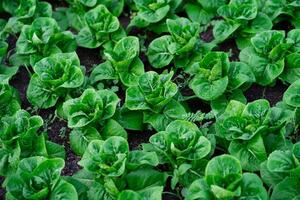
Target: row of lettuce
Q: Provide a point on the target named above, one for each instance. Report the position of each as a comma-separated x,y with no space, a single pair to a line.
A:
215,155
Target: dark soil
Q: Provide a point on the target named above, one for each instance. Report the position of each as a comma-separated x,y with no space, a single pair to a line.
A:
272,94
2,191
230,47
136,138
89,58
207,36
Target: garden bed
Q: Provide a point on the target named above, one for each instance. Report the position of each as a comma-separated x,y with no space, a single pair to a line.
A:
58,130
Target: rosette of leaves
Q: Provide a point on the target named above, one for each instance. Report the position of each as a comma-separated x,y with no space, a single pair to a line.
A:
76,10
154,96
282,10
271,55
117,173
243,127
54,77
92,107
9,100
27,8
184,148
19,138
39,178
211,76
90,115
251,131
101,27
241,18
203,11
122,63
175,47
152,14
107,158
224,179
281,172
41,39
24,12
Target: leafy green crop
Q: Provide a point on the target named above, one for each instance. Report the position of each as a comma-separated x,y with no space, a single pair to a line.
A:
92,107
41,39
242,19
39,178
123,173
224,179
122,63
101,27
184,147
23,12
290,8
53,77
73,16
271,55
154,96
152,13
91,117
175,47
19,139
150,99
247,130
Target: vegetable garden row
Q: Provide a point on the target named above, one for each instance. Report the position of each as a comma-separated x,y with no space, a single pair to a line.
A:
150,99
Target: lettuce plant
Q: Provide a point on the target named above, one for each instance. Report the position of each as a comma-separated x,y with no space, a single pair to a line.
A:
243,124
101,27
9,100
242,18
224,179
184,147
280,165
24,9
92,107
154,96
250,131
19,138
41,39
211,76
39,178
54,77
281,172
122,63
76,10
175,47
23,13
90,116
271,55
117,173
152,13
289,9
